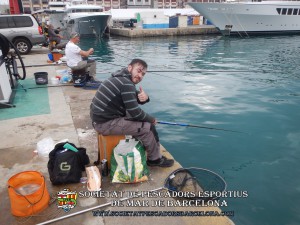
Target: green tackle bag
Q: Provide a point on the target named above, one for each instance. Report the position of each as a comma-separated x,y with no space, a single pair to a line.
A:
128,162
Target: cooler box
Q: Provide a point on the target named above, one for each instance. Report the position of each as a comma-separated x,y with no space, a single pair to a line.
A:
56,56
106,144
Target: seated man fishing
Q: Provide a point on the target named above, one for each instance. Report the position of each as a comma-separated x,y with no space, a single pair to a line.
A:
55,37
75,56
115,111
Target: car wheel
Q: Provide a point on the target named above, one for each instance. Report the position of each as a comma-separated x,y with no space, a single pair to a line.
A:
22,45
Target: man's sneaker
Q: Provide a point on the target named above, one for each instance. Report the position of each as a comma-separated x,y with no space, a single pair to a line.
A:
92,85
162,162
93,79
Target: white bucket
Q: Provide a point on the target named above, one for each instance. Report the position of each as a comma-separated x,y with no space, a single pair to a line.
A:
54,81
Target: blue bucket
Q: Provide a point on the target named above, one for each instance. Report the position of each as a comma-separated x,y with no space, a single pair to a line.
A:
50,56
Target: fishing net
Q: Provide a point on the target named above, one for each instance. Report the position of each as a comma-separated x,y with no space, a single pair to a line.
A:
197,183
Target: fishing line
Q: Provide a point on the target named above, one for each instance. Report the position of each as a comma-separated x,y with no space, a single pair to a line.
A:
190,71
196,71
167,76
198,126
169,71
130,58
153,73
123,56
206,71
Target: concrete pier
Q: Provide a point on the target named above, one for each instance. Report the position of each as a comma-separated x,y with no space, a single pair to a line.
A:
69,118
190,30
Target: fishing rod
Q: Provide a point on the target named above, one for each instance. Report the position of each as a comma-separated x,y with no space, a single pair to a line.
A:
51,64
197,126
204,71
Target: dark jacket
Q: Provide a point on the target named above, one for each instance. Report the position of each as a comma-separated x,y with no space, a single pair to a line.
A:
53,35
117,97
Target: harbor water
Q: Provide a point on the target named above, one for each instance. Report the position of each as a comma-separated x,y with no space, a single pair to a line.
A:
248,85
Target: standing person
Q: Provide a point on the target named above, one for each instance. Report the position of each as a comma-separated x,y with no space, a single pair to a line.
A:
115,110
74,56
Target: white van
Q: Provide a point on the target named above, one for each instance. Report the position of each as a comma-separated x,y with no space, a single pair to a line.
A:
22,30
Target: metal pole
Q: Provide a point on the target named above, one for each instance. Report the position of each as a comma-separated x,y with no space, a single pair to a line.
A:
92,208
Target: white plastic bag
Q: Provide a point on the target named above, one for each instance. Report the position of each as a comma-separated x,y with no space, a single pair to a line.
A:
128,162
45,146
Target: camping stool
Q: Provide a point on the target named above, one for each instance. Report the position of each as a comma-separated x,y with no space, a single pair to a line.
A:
106,144
79,77
80,72
56,56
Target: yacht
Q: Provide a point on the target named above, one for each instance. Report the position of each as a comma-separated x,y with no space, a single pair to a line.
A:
78,16
244,18
57,5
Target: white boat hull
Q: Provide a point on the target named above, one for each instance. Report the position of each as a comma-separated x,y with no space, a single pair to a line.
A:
78,16
84,25
250,17
88,25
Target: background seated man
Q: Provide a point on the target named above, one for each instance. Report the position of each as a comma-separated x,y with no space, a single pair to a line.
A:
75,56
54,36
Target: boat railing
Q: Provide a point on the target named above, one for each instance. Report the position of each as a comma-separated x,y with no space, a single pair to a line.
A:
229,1
214,1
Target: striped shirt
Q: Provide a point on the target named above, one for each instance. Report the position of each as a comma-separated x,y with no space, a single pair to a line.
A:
117,97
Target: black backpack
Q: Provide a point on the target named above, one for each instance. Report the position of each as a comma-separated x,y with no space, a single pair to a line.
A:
66,166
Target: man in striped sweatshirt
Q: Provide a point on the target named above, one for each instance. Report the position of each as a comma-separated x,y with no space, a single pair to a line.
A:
115,110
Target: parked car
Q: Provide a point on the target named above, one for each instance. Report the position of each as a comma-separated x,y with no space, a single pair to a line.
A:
22,30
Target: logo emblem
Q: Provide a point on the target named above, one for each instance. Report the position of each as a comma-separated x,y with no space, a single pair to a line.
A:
64,166
66,199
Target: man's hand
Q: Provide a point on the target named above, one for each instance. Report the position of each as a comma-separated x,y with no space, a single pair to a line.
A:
91,51
142,95
154,122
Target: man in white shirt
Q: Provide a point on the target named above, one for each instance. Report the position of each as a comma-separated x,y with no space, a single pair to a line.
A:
74,56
